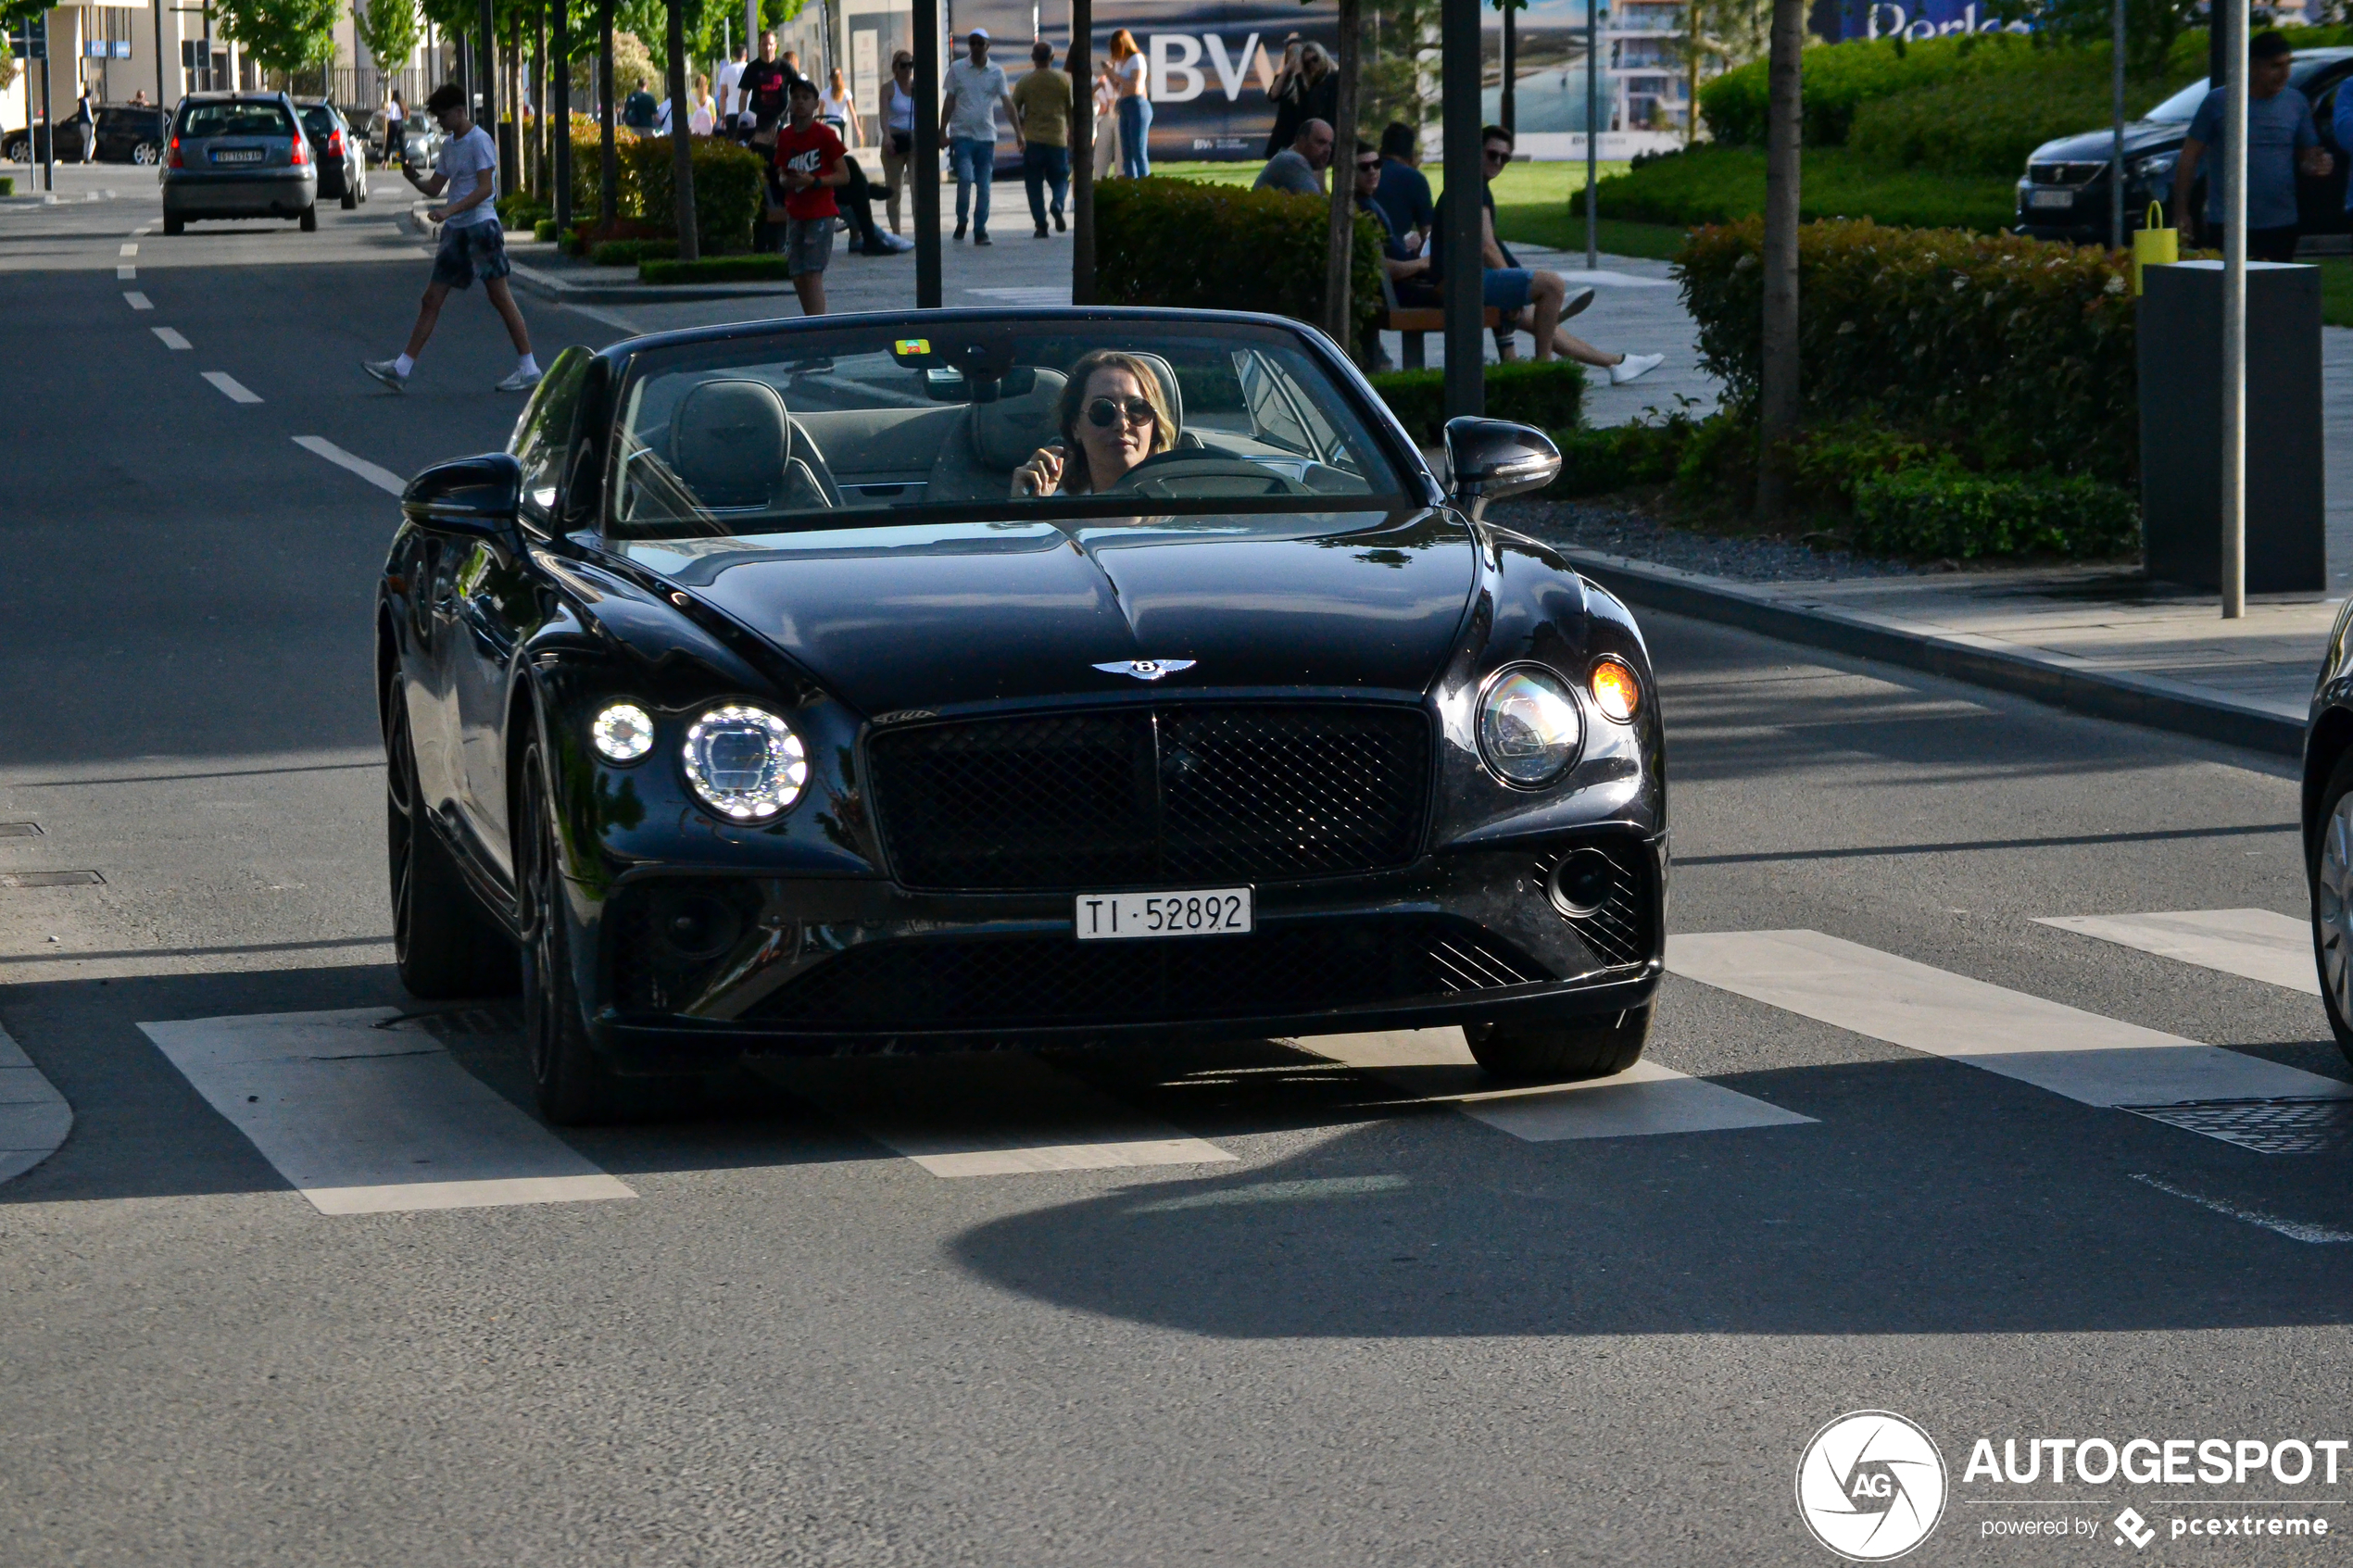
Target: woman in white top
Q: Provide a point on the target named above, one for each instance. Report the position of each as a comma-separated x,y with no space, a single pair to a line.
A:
703,115
897,129
1135,105
835,109
1106,99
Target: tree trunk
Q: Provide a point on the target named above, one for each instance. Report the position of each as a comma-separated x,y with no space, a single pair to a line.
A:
1340,258
682,144
607,157
1080,62
560,46
1778,414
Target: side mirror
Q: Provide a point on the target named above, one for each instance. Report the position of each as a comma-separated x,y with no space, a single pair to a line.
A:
1493,459
477,497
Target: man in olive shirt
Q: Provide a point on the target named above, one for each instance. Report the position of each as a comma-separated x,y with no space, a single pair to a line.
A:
1041,107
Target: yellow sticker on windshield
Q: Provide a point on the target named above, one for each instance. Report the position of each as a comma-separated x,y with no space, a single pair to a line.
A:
912,345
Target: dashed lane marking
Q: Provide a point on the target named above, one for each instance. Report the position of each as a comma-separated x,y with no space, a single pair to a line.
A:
364,1113
137,301
1436,1065
35,1118
230,387
2254,944
2295,1230
124,274
383,479
2086,1058
171,338
1001,1114
128,250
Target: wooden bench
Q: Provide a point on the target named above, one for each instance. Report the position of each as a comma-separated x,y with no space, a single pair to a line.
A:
1412,323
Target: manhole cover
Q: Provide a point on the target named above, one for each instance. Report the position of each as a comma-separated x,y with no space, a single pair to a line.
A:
2267,1126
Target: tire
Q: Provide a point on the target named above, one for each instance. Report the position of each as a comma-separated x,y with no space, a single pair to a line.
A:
146,154
1595,1047
443,942
2328,867
310,219
175,225
350,198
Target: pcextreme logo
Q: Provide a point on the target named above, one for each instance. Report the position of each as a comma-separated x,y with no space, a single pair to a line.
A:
1870,1486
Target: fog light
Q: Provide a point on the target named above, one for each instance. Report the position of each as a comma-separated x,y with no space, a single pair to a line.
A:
1581,884
623,732
1615,690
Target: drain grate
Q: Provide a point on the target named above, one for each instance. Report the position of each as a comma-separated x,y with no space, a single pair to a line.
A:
2267,1126
50,879
19,829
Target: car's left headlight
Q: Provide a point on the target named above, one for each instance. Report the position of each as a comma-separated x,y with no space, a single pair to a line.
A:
2150,170
1529,725
746,763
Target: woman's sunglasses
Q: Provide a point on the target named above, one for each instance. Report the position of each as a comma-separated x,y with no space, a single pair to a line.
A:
1104,412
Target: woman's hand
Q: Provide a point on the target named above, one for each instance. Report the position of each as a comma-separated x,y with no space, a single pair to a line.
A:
1042,476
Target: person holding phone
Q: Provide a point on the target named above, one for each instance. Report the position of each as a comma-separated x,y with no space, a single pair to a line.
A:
1113,416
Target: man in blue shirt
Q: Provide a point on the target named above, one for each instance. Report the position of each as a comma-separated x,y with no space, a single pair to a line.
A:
2281,143
1404,191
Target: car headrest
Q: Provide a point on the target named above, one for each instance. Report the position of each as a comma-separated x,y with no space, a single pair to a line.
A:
728,441
1006,431
1169,390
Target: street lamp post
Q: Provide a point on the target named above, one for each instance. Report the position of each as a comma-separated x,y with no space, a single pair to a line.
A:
2234,317
1592,133
927,159
1465,286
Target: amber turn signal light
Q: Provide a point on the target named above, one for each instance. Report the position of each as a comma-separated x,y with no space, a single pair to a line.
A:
1616,691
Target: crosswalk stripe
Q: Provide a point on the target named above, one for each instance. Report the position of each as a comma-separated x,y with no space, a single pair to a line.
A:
1435,1064
2082,1055
999,1115
363,1114
137,301
35,1118
2256,944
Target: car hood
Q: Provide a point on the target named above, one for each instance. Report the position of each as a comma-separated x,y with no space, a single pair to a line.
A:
2092,147
928,614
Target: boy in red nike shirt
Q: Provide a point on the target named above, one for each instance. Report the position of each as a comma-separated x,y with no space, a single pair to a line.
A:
809,165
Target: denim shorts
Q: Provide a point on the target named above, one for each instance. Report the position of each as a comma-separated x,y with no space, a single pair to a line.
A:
809,244
473,250
1507,289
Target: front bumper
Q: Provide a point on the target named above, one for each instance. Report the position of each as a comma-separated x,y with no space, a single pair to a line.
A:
275,193
838,967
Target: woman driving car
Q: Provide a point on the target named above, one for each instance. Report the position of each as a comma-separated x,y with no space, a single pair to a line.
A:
1113,416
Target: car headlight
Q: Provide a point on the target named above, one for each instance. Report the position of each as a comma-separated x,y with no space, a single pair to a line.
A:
745,762
623,732
1529,725
2156,167
1616,691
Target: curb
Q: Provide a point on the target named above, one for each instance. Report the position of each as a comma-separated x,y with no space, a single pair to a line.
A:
548,287
2060,680
35,1118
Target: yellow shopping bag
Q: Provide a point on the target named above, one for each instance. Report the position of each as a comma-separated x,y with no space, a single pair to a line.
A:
2153,247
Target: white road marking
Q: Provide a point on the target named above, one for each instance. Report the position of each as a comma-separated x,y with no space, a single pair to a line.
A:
1002,1114
2086,1058
1435,1064
144,229
128,250
2257,944
171,338
124,274
2295,1230
230,387
383,479
137,301
362,1118
35,1118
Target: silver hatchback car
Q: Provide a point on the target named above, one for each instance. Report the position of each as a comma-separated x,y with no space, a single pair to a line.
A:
234,154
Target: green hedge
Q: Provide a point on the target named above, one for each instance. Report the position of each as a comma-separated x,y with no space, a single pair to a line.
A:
630,253
728,186
1549,395
713,270
2014,354
1708,185
1989,124
1840,77
1191,244
1945,512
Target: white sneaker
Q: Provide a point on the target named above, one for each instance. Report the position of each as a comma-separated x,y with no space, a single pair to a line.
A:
1635,366
1576,303
386,371
521,380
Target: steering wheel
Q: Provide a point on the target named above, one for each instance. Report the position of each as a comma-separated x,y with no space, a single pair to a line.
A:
1163,475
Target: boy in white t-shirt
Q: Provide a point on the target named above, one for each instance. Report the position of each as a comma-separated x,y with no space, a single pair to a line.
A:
473,244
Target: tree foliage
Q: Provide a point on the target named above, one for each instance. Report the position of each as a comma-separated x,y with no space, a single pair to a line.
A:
387,29
2150,25
283,35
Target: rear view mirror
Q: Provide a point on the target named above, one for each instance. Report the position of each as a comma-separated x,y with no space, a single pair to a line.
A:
477,497
1493,459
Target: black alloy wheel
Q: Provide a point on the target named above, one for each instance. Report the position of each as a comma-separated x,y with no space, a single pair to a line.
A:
2328,867
442,941
1595,1047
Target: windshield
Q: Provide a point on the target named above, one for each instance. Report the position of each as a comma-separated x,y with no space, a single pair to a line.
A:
319,120
235,120
2178,108
795,430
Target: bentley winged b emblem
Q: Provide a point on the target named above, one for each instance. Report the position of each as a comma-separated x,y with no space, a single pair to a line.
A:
1146,669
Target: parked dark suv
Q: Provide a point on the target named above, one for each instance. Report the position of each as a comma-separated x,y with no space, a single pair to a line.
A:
2064,194
343,157
127,134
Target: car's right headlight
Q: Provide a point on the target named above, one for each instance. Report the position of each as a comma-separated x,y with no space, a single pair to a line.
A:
2156,167
746,763
1529,725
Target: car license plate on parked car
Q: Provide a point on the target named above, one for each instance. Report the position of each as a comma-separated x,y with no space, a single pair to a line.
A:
250,155
1198,912
2050,198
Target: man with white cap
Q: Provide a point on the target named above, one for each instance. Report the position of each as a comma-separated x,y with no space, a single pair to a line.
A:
974,89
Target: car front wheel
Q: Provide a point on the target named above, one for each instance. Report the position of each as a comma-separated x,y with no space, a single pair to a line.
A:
310,219
1595,1048
443,944
2331,872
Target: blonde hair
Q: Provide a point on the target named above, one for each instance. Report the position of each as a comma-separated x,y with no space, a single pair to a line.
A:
1073,403
839,90
1123,43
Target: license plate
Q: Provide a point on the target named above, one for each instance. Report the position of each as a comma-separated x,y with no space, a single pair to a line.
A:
253,157
2050,198
1196,911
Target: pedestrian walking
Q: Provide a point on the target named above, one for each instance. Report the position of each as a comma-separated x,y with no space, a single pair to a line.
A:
808,166
395,129
1135,105
473,243
760,92
85,119
836,109
2281,143
897,129
1042,106
974,89
637,109
731,71
702,117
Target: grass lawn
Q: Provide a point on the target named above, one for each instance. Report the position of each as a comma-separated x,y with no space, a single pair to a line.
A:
2336,290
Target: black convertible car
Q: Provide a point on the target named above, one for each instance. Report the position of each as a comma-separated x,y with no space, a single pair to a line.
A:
864,684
